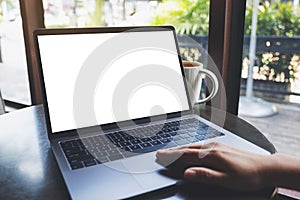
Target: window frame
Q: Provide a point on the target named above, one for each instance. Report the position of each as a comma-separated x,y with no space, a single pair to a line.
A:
225,46
32,13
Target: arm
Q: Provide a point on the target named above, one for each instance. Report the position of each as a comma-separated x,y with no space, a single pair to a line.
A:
285,172
218,164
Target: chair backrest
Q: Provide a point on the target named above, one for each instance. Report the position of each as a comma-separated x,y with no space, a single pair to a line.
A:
2,108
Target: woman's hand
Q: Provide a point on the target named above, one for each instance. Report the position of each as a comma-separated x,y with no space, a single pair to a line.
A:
221,165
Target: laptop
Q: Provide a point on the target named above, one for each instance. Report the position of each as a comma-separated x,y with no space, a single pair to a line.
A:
112,98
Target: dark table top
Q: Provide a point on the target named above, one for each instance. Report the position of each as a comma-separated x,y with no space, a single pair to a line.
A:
28,169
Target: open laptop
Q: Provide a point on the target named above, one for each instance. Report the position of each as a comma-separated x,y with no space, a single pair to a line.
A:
112,97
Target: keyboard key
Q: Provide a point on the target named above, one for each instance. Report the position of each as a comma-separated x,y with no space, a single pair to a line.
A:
136,141
155,137
191,129
100,154
173,133
146,144
185,136
182,132
155,143
124,144
145,139
115,157
181,142
165,135
79,156
90,162
103,148
127,149
76,154
203,126
75,160
135,147
66,144
128,137
193,134
112,152
101,160
118,140
200,137
72,150
149,149
165,140
202,132
191,140
92,150
76,165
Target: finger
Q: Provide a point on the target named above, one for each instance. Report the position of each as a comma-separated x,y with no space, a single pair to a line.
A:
192,151
214,148
209,145
184,153
206,175
192,145
190,156
218,178
175,156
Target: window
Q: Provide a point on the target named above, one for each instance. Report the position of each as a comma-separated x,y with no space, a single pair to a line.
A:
224,39
14,82
275,66
275,63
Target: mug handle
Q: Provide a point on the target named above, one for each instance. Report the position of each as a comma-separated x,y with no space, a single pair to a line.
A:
215,83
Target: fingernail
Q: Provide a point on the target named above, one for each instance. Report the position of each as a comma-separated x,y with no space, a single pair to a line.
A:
190,173
159,152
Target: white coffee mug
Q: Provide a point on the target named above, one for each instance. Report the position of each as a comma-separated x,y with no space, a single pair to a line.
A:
194,73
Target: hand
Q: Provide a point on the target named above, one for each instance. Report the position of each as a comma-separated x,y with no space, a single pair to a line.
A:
221,165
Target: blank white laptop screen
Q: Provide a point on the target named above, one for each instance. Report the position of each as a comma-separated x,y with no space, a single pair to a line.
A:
65,56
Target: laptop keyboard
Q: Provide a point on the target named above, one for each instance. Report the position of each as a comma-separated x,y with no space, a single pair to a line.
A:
100,149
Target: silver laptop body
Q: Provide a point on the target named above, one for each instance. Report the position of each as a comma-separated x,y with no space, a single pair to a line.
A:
104,86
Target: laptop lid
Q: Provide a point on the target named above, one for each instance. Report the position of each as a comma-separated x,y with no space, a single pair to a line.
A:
104,77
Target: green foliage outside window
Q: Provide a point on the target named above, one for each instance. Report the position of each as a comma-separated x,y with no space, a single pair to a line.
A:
278,19
188,16
191,17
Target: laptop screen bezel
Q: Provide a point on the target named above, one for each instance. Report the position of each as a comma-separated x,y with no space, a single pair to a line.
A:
110,126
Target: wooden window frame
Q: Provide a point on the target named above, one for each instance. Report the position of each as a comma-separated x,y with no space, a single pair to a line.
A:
32,13
225,46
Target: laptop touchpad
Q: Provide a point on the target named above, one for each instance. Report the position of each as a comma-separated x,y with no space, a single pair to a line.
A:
144,163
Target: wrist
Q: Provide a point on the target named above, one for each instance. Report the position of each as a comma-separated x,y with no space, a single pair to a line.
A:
270,171
285,171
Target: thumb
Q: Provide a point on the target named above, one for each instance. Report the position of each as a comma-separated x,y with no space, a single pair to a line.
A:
205,175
